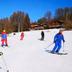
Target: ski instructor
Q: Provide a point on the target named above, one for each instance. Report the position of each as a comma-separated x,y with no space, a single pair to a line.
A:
57,40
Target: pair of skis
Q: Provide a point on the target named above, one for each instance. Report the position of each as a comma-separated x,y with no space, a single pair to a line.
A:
58,53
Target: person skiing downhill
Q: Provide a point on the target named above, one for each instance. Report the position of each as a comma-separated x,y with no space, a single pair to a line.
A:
42,35
22,36
4,38
57,40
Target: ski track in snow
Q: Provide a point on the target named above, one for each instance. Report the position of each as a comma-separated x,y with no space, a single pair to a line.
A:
29,55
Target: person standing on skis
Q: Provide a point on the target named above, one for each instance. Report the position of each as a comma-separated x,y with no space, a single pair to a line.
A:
22,36
57,40
4,38
42,35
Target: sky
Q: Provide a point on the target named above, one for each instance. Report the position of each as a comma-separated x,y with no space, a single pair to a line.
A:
29,54
35,8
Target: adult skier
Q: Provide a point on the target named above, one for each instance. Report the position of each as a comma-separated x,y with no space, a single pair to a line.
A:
57,40
42,35
4,38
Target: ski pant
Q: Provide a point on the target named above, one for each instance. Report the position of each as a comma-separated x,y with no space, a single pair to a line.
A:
4,41
42,38
57,47
21,37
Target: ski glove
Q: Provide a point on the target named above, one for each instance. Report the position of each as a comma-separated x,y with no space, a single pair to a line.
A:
54,41
63,41
1,39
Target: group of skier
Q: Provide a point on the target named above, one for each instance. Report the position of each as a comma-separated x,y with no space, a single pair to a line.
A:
58,38
4,38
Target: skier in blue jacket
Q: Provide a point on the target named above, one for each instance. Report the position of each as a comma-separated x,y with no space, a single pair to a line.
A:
57,40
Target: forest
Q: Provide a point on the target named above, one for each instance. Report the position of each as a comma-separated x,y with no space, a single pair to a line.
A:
20,21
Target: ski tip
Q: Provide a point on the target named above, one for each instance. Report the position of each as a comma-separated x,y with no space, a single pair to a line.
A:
0,67
7,70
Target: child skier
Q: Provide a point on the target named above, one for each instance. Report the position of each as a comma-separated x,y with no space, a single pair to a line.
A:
22,36
57,40
4,38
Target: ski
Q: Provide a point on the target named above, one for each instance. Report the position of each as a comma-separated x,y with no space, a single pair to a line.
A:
4,69
49,51
5,46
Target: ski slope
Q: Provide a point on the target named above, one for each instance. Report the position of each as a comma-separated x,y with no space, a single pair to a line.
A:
29,54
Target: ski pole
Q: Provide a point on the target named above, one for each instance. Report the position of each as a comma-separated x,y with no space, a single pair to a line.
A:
5,63
63,47
49,45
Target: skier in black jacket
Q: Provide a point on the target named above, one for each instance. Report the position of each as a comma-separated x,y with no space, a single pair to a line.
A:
42,35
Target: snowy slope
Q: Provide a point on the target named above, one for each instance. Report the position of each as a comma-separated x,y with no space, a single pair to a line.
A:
29,55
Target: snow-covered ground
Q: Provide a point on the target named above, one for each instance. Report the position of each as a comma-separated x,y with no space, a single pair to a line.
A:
29,55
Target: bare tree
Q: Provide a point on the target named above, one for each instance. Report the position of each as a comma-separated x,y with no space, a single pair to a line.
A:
48,16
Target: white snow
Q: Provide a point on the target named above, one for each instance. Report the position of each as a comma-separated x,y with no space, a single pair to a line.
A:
29,55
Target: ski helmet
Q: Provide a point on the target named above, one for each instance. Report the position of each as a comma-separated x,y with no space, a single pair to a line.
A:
4,30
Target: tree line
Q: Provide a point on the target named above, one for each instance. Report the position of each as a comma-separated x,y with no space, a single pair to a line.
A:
61,14
20,21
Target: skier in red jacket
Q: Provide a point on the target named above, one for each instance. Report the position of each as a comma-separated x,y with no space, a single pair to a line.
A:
22,36
4,38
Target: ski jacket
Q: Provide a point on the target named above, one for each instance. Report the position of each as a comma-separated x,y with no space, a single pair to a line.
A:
42,33
58,37
4,35
22,35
